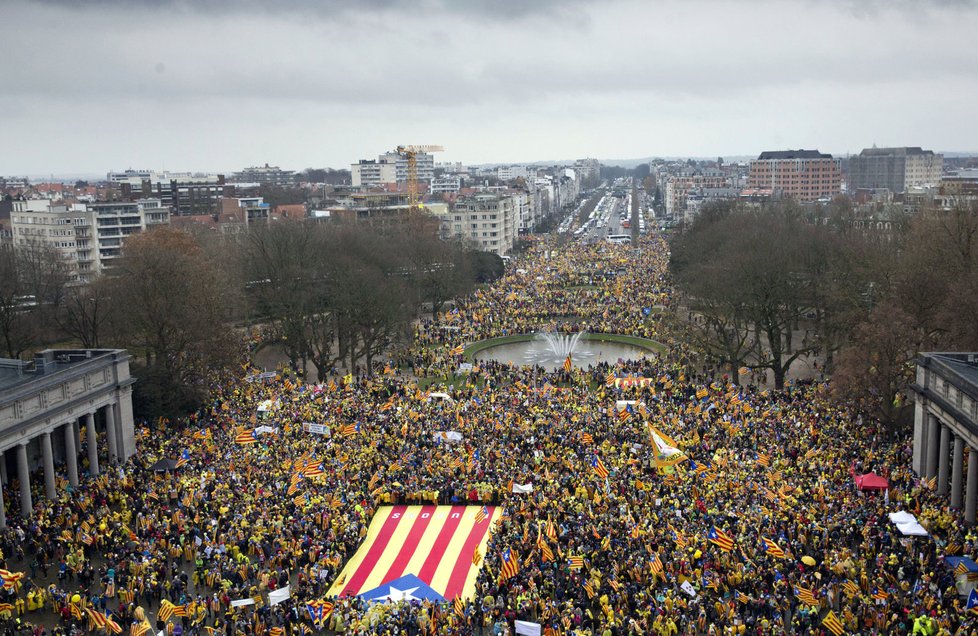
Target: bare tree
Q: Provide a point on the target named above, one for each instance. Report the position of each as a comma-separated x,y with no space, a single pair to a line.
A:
85,311
16,330
170,307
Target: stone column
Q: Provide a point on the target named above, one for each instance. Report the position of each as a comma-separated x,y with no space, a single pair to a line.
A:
944,451
50,488
971,490
924,436
92,444
933,437
3,511
111,434
957,465
71,455
24,474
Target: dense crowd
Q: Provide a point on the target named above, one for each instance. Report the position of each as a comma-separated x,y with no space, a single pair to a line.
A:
758,531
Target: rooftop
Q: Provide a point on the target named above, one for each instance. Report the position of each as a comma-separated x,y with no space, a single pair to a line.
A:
961,368
793,154
16,372
896,152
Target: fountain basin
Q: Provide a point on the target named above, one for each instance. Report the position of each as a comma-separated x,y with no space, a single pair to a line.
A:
590,349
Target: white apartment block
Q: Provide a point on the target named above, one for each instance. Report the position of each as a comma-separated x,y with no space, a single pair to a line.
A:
525,212
88,236
487,220
510,173
390,167
368,173
679,186
447,183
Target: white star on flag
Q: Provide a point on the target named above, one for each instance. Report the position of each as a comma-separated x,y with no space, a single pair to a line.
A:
400,595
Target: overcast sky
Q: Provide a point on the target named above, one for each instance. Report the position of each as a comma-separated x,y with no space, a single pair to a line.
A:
94,85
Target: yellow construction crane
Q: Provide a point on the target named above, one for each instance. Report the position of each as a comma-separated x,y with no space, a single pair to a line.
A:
411,153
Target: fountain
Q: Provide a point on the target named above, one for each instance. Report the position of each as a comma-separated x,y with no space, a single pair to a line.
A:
561,345
550,350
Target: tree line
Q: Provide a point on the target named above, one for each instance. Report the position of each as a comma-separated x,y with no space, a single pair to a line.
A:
761,287
330,295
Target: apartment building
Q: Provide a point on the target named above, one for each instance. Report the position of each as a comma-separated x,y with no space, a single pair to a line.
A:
368,173
390,167
804,175
894,169
266,175
87,236
511,173
182,193
679,186
446,184
488,220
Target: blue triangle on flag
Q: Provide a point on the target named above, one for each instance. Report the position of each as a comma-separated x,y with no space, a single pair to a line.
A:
972,599
406,588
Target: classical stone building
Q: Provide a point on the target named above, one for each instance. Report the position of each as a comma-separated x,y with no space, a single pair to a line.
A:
44,406
945,423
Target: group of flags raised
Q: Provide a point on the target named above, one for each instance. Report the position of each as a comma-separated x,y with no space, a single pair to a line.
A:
251,436
319,610
102,620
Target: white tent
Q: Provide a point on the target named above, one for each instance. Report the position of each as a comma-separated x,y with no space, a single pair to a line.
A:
912,529
907,524
902,517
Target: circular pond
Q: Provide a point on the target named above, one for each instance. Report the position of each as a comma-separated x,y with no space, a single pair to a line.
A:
550,352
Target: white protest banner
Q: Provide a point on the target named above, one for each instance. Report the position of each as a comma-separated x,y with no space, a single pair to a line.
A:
688,588
448,436
241,602
280,596
318,429
526,628
523,488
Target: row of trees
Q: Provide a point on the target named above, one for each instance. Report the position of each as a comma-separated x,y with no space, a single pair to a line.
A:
765,286
330,295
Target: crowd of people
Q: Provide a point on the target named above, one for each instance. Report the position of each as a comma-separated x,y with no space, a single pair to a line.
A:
757,530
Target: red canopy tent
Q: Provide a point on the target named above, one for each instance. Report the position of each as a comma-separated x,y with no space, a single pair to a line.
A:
871,481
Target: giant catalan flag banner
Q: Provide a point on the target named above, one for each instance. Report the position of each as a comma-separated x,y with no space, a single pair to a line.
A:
418,553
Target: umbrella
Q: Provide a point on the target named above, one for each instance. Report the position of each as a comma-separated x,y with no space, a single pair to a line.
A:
807,560
164,465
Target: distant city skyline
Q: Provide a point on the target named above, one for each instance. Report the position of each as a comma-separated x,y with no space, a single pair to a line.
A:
216,85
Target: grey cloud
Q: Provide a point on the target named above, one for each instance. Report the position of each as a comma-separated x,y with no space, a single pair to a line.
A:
502,10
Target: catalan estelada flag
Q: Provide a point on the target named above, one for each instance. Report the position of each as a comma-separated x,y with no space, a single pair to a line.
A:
427,549
772,548
721,539
806,595
247,437
599,468
833,624
509,565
